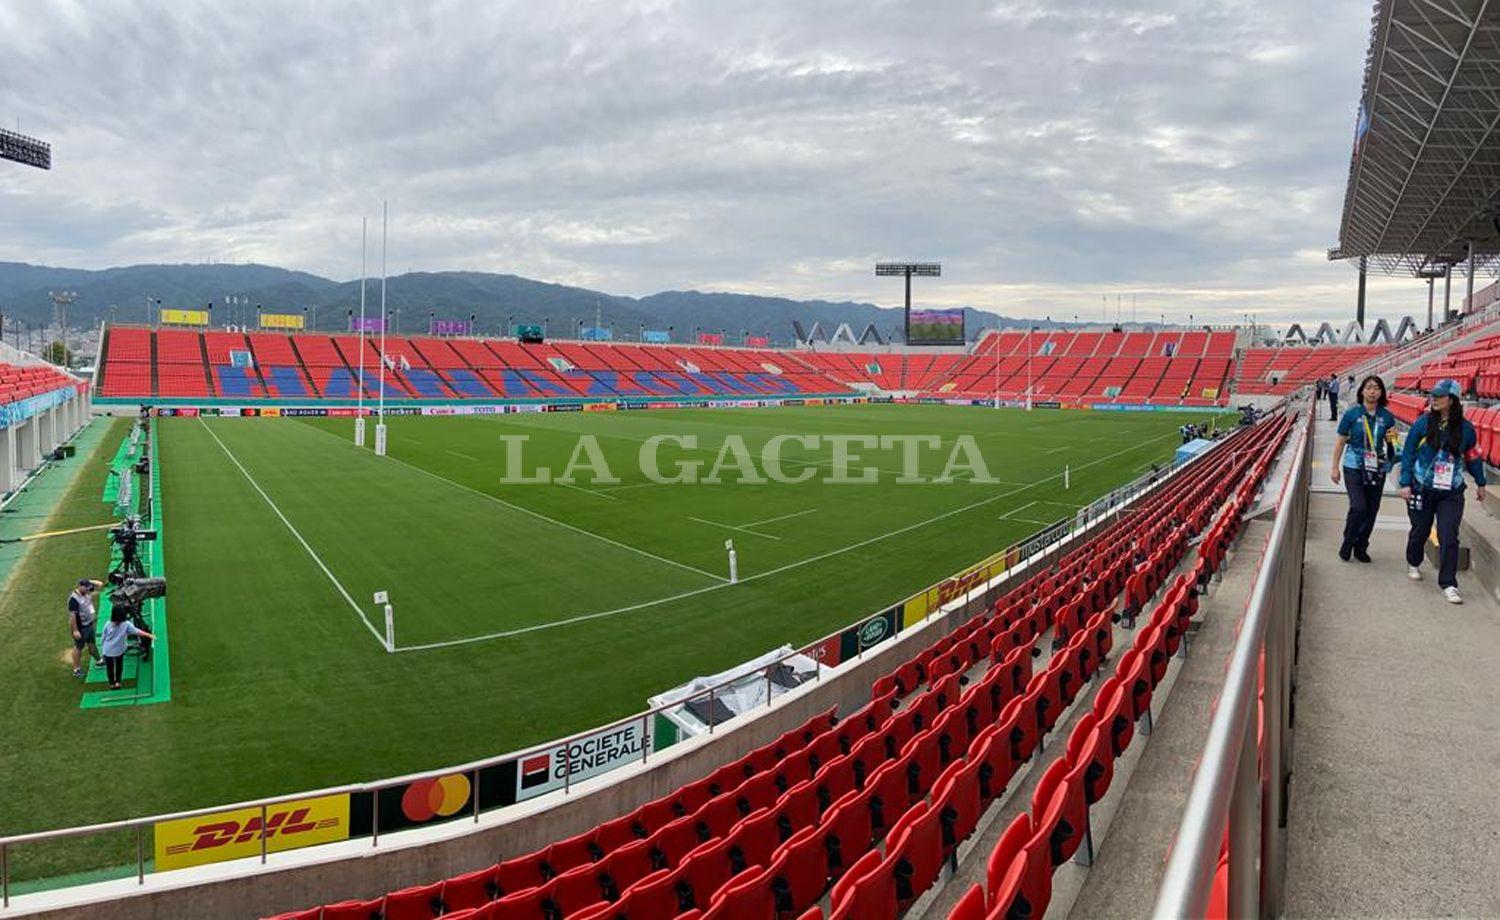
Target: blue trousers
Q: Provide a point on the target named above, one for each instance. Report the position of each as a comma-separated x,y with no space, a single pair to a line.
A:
1364,504
1447,510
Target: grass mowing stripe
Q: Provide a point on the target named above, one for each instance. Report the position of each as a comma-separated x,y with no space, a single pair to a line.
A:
315,557
776,571
550,520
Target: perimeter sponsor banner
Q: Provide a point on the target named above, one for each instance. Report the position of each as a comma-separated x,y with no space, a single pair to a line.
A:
236,833
1045,404
757,341
526,407
271,411
246,411
827,651
600,407
185,317
869,633
794,402
656,336
973,577
283,321
593,754
293,411
564,407
368,324
710,338
916,608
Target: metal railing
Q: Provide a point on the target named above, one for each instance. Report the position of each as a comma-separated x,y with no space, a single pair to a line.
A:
1025,553
1240,783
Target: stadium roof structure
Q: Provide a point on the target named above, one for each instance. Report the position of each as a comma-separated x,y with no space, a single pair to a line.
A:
1424,177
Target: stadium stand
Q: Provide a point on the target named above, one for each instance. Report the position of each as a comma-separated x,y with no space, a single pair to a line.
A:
18,382
1168,368
1476,367
142,364
869,807
1278,371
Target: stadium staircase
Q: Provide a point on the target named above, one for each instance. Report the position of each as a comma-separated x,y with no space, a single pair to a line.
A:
1018,719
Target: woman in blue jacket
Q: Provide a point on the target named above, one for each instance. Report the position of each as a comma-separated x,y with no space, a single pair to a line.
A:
1439,446
1361,458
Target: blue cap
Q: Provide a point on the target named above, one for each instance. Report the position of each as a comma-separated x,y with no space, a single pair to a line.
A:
1447,387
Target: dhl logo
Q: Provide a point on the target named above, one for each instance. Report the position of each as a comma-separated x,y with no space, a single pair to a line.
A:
961,584
241,832
221,833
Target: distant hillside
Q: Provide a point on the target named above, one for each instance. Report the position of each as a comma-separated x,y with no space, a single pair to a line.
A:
494,299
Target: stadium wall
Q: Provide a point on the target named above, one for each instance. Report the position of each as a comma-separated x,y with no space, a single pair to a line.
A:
356,868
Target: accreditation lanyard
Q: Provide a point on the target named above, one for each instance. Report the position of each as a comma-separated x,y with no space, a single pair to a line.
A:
1371,457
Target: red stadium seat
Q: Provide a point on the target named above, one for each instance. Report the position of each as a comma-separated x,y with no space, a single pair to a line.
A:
957,798
1061,813
834,780
573,890
354,910
796,809
708,868
753,840
970,906
673,842
847,830
472,889
416,903
660,894
624,867
747,897
523,905
916,851
799,870
866,892
520,873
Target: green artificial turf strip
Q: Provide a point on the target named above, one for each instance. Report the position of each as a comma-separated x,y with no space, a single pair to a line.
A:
278,686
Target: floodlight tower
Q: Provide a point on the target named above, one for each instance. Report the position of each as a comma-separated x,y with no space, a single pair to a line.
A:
60,301
28,151
908,270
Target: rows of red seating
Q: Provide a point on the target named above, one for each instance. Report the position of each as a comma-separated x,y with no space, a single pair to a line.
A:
1018,870
23,381
1166,368
144,363
767,834
1296,366
1486,421
1476,367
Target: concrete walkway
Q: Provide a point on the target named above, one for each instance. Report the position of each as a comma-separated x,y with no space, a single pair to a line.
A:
1394,808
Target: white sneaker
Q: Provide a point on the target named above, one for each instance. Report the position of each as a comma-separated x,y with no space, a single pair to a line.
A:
1453,596
1414,573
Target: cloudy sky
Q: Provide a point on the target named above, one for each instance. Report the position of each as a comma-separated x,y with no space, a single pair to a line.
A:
1052,153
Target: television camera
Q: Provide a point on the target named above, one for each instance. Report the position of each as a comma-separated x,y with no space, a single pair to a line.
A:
128,537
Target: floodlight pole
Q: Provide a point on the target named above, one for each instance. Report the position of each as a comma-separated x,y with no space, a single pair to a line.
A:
385,321
359,412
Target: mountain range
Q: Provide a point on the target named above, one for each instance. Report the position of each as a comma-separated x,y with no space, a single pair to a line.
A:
495,300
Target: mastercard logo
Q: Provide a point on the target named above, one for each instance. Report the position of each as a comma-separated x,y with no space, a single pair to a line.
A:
432,798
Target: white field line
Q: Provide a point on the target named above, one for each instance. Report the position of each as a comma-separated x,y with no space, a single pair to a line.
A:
458,453
781,517
766,574
1014,510
542,517
300,539
593,492
635,485
764,536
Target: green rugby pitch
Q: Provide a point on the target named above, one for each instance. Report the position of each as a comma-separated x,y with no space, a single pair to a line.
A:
523,612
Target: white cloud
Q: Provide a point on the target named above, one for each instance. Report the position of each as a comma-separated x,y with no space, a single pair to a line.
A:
1048,152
